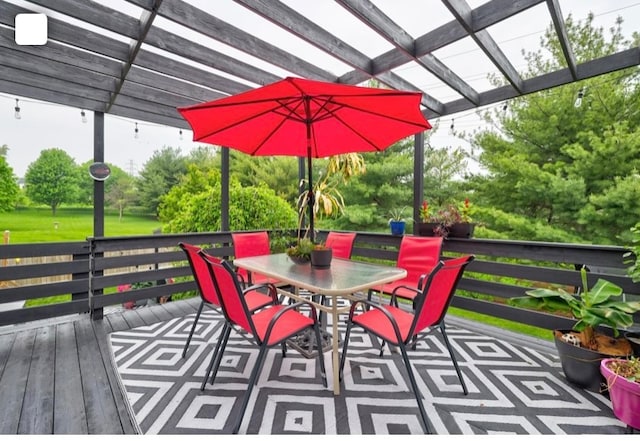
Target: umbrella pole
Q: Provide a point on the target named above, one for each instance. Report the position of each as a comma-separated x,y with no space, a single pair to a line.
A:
310,197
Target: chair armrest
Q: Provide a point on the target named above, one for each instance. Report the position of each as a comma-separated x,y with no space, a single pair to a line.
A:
280,313
271,288
380,308
407,287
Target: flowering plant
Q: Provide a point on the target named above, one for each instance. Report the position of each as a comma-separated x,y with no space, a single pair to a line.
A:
465,211
425,216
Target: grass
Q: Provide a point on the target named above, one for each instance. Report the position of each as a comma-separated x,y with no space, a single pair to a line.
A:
534,331
29,225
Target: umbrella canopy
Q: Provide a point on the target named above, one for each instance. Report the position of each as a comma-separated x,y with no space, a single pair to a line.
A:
307,118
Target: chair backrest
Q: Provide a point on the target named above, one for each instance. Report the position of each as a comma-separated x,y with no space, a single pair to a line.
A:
418,255
232,301
438,292
250,244
201,274
341,244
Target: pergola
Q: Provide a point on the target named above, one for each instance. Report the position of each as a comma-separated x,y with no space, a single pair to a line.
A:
141,59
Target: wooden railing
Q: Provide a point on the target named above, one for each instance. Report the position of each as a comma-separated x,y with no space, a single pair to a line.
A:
91,271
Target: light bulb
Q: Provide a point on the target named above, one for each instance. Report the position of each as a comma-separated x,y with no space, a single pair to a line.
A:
135,132
180,134
578,101
84,116
17,115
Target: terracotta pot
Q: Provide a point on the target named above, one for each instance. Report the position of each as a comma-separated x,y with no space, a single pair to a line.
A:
624,394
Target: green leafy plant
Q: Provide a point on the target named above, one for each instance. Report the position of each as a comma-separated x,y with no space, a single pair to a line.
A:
302,249
465,211
591,307
627,368
632,256
397,214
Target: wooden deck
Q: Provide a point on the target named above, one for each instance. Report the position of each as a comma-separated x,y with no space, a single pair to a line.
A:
57,377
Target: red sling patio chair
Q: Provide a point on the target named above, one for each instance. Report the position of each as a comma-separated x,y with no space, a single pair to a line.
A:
341,244
400,327
248,245
255,300
266,328
418,255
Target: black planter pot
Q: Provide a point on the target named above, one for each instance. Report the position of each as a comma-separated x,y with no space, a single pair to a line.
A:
462,230
321,258
581,366
427,228
634,340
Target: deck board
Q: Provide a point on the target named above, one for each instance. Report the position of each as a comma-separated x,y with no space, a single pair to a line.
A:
37,406
57,376
6,343
69,415
14,381
102,414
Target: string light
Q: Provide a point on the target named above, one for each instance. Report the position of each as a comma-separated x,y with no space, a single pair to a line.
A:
578,101
135,132
180,134
505,107
452,126
83,115
17,115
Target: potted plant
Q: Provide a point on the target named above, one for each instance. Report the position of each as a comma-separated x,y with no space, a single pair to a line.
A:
321,256
427,226
463,227
301,252
623,383
631,258
582,347
397,221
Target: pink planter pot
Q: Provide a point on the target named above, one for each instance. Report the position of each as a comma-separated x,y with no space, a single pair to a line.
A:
624,394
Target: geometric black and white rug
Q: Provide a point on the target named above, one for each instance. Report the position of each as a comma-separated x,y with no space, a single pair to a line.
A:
512,389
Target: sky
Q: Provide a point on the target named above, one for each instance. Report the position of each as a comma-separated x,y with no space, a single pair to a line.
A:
47,125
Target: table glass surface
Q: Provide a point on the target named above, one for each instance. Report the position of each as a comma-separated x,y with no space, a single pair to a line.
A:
344,276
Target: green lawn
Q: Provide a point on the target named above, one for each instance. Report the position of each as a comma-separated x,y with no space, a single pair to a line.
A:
28,225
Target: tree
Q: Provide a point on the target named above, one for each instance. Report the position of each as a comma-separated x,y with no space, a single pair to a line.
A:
161,172
52,179
9,190
119,190
194,205
558,162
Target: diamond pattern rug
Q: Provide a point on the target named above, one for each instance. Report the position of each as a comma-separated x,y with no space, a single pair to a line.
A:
512,389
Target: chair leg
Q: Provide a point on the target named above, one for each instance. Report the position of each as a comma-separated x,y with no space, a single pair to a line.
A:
216,357
453,357
344,349
252,379
416,392
323,372
193,328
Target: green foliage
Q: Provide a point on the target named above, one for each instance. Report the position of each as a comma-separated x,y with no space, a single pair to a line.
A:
632,256
301,249
52,179
591,307
9,190
194,205
567,167
160,173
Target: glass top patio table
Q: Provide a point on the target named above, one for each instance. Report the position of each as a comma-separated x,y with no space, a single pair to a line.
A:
342,279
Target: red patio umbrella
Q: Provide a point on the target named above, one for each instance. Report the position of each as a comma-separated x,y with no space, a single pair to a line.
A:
306,118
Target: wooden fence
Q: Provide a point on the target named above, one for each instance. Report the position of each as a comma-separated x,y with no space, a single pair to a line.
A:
89,269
